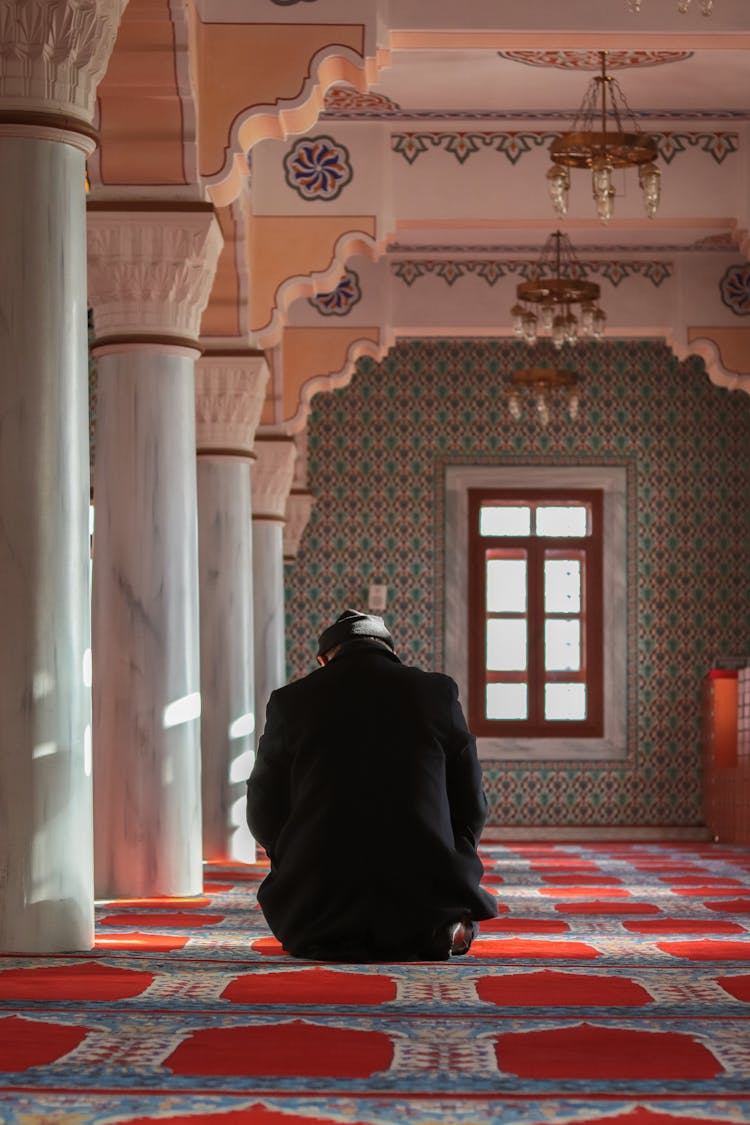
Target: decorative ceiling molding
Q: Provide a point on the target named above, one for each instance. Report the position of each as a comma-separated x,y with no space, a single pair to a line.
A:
590,60
345,100
712,243
530,115
491,271
513,145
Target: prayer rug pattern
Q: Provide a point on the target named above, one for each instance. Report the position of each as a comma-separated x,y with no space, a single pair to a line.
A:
609,989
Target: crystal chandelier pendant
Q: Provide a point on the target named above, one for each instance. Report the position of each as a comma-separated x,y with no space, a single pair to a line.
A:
558,179
542,407
650,181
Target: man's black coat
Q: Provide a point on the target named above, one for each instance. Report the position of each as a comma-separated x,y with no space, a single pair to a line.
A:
367,796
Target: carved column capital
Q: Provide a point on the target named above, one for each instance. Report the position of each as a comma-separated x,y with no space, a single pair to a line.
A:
53,54
229,395
299,508
151,271
273,473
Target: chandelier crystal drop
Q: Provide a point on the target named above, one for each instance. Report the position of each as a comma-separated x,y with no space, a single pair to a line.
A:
545,301
598,140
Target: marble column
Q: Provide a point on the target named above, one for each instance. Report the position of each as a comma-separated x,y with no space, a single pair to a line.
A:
299,508
150,274
49,70
230,391
272,481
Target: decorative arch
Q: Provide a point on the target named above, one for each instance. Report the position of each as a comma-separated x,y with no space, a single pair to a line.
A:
715,350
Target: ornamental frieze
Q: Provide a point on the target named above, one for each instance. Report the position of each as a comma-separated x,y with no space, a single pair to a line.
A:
491,271
513,145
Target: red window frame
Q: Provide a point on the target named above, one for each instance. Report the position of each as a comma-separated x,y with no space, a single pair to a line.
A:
589,549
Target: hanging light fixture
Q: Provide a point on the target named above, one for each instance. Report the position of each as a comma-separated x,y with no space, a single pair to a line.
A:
542,383
545,301
590,144
683,6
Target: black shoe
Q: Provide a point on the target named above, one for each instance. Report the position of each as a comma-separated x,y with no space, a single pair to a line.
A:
453,939
462,934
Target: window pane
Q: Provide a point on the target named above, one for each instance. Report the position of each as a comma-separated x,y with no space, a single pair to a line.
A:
562,645
565,701
562,586
506,644
507,701
562,519
506,585
503,519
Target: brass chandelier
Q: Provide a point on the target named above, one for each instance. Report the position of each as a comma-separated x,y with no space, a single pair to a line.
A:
591,144
544,302
542,383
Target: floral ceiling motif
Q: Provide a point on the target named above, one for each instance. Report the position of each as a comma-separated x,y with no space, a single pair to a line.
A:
318,168
347,101
591,60
341,299
735,289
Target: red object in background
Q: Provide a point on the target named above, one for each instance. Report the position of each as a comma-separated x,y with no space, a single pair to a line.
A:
719,755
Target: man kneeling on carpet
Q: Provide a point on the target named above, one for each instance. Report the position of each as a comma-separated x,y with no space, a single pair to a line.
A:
367,796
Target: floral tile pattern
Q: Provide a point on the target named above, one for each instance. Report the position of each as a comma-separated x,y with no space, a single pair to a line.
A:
376,455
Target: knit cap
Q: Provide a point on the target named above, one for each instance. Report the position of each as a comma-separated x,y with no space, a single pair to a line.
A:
351,624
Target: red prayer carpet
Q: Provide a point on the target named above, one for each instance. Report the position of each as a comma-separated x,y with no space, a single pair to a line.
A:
613,988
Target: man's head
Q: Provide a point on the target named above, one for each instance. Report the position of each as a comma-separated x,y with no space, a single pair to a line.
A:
350,626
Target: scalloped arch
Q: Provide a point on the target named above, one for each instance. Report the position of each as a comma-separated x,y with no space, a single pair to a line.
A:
709,352
348,245
338,379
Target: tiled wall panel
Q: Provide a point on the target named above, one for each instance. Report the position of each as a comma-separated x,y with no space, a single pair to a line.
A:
376,454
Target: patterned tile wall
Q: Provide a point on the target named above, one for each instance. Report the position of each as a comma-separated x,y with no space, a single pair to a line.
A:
376,454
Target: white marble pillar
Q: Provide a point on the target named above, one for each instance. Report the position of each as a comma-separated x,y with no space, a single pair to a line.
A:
150,274
230,391
272,481
49,71
299,508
